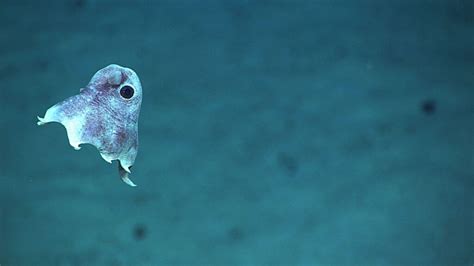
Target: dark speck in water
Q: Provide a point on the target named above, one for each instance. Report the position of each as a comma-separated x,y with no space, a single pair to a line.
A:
235,233
139,232
288,163
428,107
79,3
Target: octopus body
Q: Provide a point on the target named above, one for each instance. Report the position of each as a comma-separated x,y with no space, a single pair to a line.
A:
105,114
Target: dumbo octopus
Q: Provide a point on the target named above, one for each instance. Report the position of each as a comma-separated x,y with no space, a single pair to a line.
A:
104,114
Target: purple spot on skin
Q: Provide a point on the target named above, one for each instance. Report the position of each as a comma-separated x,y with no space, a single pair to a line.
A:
96,128
124,77
121,137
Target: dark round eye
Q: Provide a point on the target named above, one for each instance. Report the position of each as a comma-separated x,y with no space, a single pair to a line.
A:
126,92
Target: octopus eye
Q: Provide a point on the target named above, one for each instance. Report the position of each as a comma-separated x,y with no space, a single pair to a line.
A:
126,92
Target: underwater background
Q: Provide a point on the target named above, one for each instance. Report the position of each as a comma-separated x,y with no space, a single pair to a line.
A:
307,132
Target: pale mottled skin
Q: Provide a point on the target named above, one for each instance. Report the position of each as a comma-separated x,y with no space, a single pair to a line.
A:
101,116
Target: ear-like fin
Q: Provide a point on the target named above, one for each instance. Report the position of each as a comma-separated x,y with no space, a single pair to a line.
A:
71,115
41,121
124,176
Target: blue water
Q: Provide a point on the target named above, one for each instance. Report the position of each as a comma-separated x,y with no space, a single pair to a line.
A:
308,132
